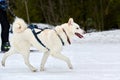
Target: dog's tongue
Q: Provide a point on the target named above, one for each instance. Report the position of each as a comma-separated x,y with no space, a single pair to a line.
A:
79,35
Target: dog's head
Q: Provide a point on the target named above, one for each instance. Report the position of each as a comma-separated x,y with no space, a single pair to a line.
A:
74,29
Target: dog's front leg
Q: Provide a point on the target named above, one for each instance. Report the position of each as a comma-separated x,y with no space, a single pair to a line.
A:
64,58
44,59
26,59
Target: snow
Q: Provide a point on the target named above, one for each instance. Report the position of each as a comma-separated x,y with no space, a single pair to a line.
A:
95,57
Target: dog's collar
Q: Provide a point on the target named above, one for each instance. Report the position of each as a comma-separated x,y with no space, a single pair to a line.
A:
66,36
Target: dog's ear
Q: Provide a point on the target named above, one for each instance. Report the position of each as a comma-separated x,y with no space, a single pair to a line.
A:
70,21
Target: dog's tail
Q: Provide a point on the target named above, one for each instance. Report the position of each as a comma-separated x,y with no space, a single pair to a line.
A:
19,25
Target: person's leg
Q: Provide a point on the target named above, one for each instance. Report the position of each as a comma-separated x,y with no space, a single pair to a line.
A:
4,31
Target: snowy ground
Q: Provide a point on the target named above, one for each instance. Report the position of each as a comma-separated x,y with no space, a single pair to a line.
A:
96,57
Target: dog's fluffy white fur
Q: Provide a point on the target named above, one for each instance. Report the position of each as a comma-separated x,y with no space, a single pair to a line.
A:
23,39
19,25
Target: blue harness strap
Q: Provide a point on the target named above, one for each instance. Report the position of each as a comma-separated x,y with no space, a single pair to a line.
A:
33,27
60,38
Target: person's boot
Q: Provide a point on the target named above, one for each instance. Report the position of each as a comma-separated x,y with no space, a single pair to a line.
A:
5,46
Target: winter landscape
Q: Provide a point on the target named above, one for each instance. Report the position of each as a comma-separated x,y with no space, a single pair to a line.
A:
95,57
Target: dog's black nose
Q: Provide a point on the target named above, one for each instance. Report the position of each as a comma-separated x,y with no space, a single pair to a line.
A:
84,32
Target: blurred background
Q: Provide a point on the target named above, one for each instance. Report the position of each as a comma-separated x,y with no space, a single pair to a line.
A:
92,15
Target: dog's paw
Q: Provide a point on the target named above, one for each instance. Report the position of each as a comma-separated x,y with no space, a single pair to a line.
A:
34,70
41,69
3,64
71,67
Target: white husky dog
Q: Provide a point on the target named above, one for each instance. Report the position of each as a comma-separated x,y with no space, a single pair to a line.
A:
49,41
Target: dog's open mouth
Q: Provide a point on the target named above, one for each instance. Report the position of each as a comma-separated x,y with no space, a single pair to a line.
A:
79,35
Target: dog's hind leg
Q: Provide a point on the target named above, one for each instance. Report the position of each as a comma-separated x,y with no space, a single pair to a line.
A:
44,59
26,60
9,53
64,58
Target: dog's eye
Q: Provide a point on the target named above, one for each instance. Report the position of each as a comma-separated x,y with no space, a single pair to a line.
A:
77,28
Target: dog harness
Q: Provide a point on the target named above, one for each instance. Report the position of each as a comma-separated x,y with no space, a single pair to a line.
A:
33,27
61,38
66,36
